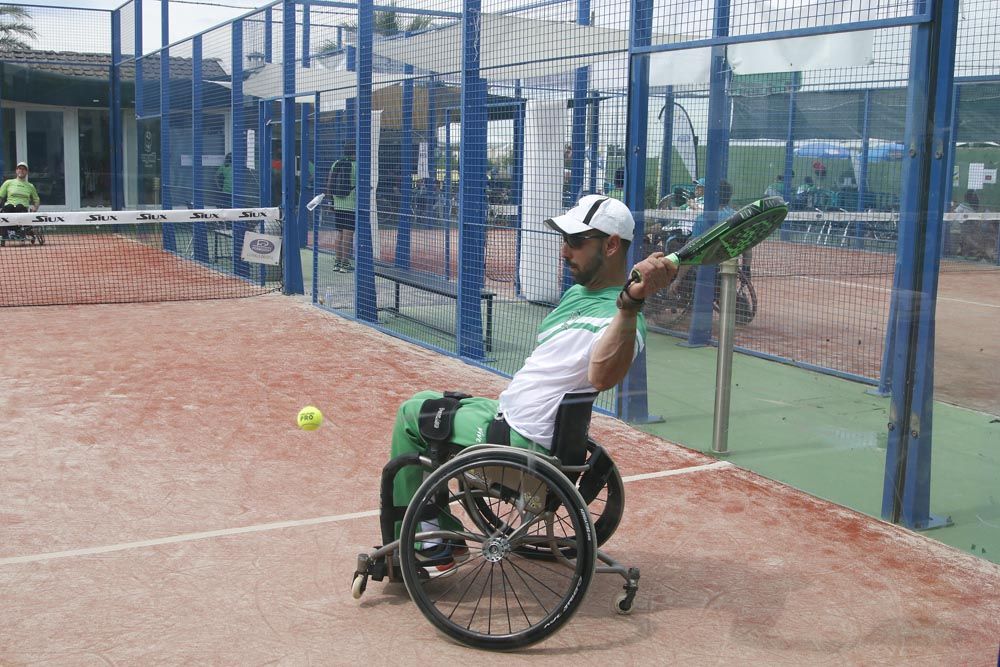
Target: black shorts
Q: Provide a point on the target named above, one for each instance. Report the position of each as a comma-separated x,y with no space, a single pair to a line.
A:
343,220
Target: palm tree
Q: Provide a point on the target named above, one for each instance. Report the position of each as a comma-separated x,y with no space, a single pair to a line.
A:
15,28
386,23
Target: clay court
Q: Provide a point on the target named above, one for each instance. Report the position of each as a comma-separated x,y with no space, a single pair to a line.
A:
160,506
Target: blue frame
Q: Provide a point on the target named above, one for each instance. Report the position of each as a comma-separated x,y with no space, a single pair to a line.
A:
292,272
472,186
364,271
906,489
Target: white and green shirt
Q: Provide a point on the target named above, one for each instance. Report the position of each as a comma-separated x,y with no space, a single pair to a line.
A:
561,360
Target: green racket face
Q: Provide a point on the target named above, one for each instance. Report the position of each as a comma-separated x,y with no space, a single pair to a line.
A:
735,235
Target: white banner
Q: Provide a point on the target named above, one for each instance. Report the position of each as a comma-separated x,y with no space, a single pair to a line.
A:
261,249
249,215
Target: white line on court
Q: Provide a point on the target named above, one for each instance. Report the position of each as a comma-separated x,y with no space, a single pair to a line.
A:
678,471
887,289
278,525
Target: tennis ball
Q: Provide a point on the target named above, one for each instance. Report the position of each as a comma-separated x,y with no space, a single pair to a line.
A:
310,418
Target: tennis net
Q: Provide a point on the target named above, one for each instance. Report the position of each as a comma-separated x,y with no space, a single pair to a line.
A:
138,256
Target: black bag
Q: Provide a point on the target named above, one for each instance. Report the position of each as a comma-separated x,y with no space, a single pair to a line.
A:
340,178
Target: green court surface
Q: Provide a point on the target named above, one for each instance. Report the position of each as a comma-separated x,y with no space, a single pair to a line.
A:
827,436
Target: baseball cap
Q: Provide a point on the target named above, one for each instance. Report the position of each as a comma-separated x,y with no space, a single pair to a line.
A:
22,163
700,181
604,214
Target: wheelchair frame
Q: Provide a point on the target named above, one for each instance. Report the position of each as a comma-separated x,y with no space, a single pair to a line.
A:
532,533
27,234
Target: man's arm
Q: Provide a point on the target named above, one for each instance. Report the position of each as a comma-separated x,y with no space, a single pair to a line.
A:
614,351
35,199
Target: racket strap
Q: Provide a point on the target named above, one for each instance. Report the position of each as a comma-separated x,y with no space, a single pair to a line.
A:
626,301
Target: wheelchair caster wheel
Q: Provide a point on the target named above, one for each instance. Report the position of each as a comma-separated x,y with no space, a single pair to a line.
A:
358,586
623,604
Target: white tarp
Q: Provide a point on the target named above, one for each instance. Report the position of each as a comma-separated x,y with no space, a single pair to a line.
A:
798,54
540,269
834,51
522,47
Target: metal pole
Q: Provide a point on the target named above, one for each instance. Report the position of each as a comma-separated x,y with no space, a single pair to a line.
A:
724,365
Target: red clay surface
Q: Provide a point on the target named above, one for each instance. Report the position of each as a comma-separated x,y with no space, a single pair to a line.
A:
158,423
107,268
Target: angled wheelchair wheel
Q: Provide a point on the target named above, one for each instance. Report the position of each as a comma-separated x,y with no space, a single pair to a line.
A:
605,499
486,592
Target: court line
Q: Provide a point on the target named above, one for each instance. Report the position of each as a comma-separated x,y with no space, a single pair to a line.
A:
889,289
279,525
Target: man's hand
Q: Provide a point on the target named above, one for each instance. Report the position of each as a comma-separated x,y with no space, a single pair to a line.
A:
657,272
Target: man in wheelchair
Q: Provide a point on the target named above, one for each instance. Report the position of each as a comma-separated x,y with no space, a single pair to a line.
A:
586,344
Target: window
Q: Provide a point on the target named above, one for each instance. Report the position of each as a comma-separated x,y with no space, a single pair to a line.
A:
45,155
95,159
8,139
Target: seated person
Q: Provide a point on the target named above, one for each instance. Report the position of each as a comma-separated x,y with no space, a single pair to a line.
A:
587,343
725,210
18,195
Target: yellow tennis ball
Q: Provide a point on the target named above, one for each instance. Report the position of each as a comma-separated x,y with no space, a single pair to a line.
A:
310,418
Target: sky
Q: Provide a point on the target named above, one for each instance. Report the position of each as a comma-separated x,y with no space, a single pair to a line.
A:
187,17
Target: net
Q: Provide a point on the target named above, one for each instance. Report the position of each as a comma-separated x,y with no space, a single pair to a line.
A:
138,256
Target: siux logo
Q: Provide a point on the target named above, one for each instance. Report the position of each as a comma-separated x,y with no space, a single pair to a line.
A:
152,216
253,214
205,216
97,217
47,218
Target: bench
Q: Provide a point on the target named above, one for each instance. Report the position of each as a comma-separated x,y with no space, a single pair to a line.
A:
435,284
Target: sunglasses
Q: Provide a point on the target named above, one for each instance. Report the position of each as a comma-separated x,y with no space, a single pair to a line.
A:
576,241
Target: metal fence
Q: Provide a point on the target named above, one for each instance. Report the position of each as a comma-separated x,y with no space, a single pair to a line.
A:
481,129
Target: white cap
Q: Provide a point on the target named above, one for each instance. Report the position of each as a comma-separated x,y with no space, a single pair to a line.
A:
598,212
22,163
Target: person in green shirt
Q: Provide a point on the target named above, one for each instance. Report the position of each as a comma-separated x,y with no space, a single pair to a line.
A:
18,195
587,343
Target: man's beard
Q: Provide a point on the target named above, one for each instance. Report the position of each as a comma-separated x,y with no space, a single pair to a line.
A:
585,275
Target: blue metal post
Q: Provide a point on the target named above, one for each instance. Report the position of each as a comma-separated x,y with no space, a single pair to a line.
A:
447,192
472,186
305,33
169,239
632,402
305,153
264,154
197,187
403,231
594,125
788,190
268,39
313,188
115,119
238,141
197,125
906,490
700,332
865,146
364,273
667,150
517,178
290,241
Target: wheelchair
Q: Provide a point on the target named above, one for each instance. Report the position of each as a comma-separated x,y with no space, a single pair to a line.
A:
532,525
23,234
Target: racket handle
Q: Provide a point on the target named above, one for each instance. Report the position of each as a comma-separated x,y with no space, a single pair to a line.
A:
672,258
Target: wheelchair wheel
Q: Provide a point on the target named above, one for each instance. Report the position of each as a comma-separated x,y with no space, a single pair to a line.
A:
605,504
498,597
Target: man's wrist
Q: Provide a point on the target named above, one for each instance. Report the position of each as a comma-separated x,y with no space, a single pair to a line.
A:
629,304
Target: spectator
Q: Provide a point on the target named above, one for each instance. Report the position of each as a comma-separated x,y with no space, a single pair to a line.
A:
618,187
970,203
341,184
224,181
18,195
776,189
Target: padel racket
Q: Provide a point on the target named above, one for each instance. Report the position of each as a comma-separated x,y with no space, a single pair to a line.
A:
733,236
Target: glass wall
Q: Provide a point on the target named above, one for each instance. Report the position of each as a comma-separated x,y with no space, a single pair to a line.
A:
46,155
95,159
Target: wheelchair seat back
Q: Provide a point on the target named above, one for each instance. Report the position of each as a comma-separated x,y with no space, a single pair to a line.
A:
569,440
